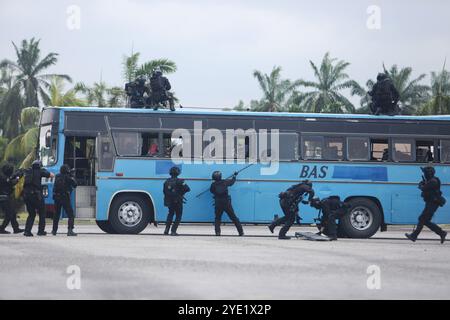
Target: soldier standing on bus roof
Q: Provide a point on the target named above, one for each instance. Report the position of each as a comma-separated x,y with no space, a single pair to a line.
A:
8,179
64,184
34,199
222,201
384,96
432,195
289,201
174,191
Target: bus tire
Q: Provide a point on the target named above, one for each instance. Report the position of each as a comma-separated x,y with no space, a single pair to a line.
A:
362,220
129,214
105,226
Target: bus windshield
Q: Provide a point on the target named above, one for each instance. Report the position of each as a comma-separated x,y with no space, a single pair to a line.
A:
47,146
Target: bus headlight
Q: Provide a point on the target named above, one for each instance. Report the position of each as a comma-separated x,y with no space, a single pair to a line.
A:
45,191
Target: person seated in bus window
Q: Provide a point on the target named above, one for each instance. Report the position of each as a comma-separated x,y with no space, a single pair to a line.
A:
153,150
385,156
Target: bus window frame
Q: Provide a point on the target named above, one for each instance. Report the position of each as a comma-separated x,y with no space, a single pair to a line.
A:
302,144
393,141
440,151
347,158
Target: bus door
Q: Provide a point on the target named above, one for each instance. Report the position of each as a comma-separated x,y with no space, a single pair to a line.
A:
79,154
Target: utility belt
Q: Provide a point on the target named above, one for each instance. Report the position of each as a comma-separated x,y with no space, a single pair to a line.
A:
222,198
61,195
32,195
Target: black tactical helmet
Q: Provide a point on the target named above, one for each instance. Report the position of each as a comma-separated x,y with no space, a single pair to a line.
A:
174,171
381,76
64,169
141,80
157,71
429,172
217,175
37,164
307,182
7,170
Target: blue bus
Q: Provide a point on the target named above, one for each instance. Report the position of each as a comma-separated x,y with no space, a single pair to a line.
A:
122,156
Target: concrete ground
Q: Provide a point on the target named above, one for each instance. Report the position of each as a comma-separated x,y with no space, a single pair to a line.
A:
198,265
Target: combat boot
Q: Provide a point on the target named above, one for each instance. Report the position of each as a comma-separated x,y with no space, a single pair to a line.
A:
173,233
271,227
18,230
166,231
70,233
284,237
443,235
54,232
27,234
411,237
42,233
3,231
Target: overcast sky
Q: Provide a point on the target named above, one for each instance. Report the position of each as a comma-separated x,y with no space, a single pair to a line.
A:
218,44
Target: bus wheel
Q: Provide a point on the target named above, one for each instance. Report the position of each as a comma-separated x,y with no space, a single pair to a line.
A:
105,226
129,214
362,220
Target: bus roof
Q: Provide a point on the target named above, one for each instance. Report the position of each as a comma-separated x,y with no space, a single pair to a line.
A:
193,111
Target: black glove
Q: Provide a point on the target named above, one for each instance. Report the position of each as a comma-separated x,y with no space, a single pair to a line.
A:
235,173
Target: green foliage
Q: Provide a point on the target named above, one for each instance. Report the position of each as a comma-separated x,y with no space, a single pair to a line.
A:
29,118
60,98
29,68
440,95
326,95
166,66
275,90
412,93
100,95
130,67
3,144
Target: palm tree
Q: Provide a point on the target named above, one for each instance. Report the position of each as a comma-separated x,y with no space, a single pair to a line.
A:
275,91
331,80
11,103
23,146
440,91
365,98
100,95
29,68
57,96
412,93
131,68
166,66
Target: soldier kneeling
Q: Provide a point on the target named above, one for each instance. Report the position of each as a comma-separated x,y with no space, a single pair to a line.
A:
332,209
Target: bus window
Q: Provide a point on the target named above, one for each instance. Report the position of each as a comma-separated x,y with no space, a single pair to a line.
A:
312,147
128,144
106,155
445,151
288,146
333,148
150,144
358,149
403,150
379,150
168,143
424,151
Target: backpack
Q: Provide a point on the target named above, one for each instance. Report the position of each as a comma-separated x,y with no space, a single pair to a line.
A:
60,184
384,89
156,84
